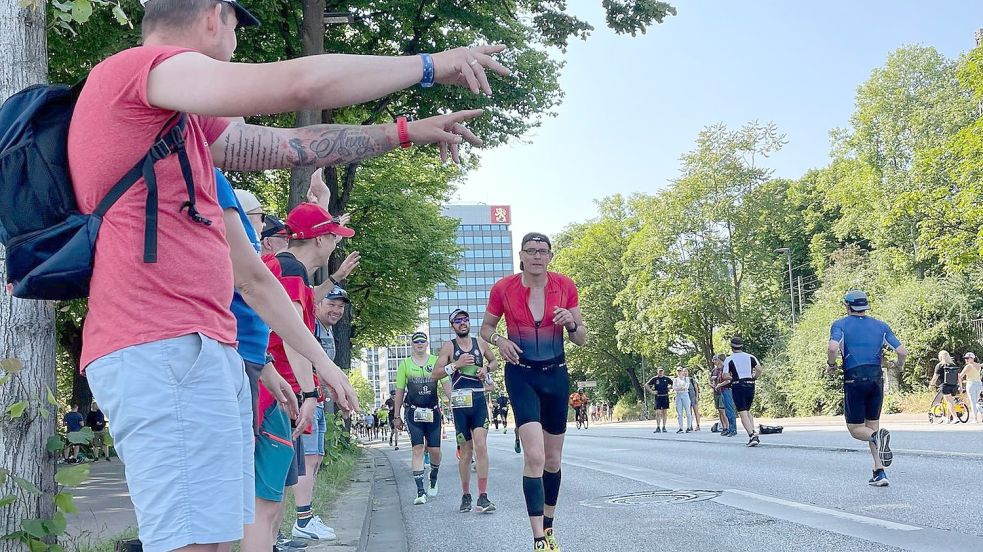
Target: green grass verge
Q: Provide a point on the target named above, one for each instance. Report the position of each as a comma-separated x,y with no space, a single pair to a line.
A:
81,544
333,478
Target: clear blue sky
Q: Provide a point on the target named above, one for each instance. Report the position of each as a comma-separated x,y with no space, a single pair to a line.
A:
634,105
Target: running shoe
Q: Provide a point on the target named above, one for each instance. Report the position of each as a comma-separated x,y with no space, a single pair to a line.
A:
680,430
540,545
283,542
657,430
689,430
432,491
753,441
518,445
313,531
882,440
551,540
484,505
422,499
879,479
465,503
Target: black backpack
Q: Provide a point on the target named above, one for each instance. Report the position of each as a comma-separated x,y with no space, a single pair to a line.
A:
50,244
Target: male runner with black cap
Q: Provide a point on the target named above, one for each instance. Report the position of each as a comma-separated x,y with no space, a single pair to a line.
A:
744,369
861,339
539,306
467,361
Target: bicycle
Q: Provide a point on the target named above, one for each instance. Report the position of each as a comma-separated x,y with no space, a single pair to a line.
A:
582,418
937,410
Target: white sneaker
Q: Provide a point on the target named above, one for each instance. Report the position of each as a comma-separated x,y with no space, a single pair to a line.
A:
313,531
321,525
432,491
422,499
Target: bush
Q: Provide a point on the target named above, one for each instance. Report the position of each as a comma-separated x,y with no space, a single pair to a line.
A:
627,408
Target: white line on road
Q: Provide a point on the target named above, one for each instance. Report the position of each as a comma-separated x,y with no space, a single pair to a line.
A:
827,512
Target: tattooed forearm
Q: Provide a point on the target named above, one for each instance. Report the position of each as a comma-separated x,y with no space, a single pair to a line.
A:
254,148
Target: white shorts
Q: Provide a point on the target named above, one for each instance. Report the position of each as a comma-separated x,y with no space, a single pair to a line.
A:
180,415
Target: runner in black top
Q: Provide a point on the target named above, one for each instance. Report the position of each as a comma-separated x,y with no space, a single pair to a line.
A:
468,362
744,369
660,386
540,308
947,371
502,412
393,432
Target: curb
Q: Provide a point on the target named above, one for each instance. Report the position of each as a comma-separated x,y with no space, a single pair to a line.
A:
384,528
363,539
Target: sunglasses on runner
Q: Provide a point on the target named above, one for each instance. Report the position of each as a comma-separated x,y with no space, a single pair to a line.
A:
461,320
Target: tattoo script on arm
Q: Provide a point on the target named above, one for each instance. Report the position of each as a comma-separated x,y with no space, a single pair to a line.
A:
255,148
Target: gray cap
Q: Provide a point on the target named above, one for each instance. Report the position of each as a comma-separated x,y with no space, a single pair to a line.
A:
857,300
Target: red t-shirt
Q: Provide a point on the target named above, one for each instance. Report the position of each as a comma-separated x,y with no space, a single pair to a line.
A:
189,288
293,276
543,341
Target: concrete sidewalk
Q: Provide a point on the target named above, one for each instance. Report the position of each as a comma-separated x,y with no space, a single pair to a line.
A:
105,510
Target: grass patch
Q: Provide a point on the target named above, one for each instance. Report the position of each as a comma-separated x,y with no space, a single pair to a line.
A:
82,543
333,479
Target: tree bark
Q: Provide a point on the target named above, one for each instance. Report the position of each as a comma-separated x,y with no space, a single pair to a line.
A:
311,43
26,327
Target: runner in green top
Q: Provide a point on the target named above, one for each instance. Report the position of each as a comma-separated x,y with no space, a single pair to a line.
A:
383,413
415,386
467,361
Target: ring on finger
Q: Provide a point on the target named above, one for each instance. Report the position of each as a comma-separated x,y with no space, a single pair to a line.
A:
473,62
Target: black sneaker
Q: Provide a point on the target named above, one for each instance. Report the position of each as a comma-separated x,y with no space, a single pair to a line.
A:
484,505
283,542
680,430
465,503
753,441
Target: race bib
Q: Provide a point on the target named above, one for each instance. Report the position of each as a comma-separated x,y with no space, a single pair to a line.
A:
462,398
423,415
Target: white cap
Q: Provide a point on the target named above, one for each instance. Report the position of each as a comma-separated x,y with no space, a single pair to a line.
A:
247,200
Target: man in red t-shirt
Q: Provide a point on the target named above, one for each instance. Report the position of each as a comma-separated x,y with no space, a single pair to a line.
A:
161,333
539,306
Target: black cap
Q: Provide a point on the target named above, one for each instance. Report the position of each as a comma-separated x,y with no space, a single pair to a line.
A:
736,343
457,312
245,18
419,337
274,227
536,237
337,293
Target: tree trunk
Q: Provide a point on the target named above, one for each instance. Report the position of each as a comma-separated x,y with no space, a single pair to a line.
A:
26,327
70,339
635,384
311,43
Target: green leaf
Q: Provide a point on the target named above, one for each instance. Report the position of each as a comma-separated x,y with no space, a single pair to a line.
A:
34,527
4,379
11,365
3,476
57,524
81,437
16,410
7,500
81,10
73,476
66,503
51,396
26,485
55,444
120,15
35,545
45,413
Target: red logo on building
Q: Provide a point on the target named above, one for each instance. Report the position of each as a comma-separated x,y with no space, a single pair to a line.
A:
501,214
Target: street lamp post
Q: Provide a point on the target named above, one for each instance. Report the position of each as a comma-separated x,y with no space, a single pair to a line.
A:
791,288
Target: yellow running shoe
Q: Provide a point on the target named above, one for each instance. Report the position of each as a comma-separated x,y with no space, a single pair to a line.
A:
551,540
538,546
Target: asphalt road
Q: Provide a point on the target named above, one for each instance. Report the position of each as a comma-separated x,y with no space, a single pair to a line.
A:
625,488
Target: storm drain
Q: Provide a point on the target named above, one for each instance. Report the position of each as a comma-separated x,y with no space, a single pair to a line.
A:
648,498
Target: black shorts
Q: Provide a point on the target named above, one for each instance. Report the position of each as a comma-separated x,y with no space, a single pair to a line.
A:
421,432
948,389
392,420
252,372
862,400
467,420
539,395
662,402
743,395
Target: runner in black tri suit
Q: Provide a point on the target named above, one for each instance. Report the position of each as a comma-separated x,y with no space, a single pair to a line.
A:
502,412
468,362
539,307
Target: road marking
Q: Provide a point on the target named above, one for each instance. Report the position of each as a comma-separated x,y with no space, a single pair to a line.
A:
826,511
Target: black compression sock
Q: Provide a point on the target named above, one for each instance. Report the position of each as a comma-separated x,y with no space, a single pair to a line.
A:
418,477
551,487
547,522
532,488
433,473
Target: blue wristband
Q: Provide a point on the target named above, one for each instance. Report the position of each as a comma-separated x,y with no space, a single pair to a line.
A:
428,75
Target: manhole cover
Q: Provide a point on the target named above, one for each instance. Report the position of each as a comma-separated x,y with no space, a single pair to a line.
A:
645,498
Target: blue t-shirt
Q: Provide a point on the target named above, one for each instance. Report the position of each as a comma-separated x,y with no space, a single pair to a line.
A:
73,421
253,333
863,339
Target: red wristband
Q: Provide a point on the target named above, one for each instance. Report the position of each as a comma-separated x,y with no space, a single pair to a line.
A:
403,132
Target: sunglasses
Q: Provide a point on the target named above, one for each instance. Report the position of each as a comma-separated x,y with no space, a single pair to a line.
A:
418,342
461,320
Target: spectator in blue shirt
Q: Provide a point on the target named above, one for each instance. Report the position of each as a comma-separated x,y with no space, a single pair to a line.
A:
73,422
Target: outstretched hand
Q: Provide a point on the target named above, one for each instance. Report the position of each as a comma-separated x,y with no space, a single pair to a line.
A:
466,67
447,131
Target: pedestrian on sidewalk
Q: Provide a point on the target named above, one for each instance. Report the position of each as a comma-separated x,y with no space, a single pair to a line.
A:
716,374
974,386
96,420
694,398
659,385
744,369
859,339
73,422
680,385
947,371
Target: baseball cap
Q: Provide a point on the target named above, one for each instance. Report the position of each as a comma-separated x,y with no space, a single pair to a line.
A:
970,355
456,313
274,227
309,220
419,337
857,300
736,343
536,237
337,293
247,200
245,19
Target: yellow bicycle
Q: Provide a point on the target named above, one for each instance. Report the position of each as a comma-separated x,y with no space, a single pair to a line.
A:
937,410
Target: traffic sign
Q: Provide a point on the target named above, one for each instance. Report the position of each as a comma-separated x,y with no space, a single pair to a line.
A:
586,384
